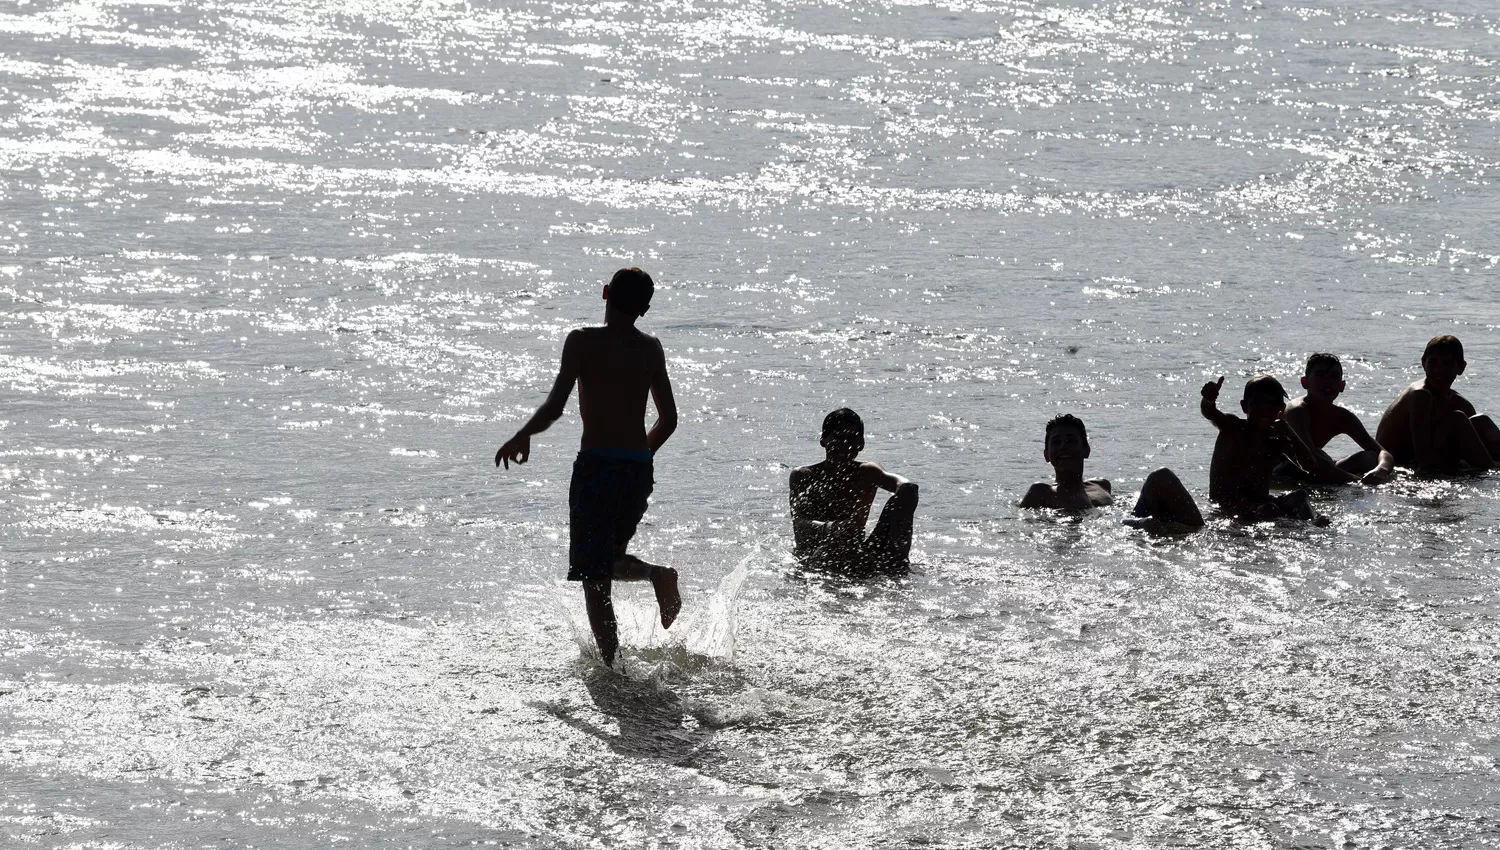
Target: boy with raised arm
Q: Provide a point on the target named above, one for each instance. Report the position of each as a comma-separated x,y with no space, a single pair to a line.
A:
615,366
1431,427
1316,419
1247,450
1066,446
831,504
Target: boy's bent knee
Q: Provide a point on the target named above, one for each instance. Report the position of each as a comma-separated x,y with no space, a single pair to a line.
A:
1161,475
906,495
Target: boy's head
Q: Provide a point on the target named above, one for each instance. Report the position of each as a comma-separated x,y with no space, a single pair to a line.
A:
1066,441
1443,360
1264,401
843,434
1323,378
629,291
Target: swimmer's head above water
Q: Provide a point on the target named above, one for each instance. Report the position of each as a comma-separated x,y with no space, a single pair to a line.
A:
1443,361
629,292
1323,378
843,435
1066,441
1264,401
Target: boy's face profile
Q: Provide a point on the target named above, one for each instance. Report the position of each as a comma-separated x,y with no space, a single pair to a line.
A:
1065,444
1324,382
1442,368
1263,409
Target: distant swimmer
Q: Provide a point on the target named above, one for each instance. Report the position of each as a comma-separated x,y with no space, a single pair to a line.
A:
1065,445
1433,429
1247,450
615,366
1316,419
1164,504
831,504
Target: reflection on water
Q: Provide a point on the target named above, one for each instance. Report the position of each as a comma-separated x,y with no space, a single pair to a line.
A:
279,278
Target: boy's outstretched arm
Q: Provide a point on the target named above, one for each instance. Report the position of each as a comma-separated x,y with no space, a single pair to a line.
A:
666,405
1324,468
518,448
1209,406
1299,452
890,480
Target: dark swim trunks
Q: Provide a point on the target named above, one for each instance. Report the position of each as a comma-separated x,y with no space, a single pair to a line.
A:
606,501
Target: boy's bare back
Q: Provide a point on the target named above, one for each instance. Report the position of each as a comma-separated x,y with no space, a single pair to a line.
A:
617,369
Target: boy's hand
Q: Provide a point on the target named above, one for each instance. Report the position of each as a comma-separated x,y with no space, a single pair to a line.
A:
516,450
1211,389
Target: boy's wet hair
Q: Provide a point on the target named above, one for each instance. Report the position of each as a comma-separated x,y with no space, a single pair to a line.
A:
1444,344
843,421
1065,420
630,290
1264,385
1322,358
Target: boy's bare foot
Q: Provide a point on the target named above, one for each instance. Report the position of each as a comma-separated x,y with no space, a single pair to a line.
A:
664,581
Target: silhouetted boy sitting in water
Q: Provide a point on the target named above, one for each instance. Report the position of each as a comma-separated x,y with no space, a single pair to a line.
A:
1066,446
1239,476
1316,419
1434,429
831,505
616,367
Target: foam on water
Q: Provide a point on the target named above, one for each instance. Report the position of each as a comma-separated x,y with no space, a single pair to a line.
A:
279,279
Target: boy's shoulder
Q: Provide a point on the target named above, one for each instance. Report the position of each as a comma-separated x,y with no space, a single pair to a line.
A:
1042,494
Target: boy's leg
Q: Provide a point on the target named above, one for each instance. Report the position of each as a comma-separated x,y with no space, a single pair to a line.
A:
1164,498
1360,462
663,581
1457,438
1489,434
891,538
601,608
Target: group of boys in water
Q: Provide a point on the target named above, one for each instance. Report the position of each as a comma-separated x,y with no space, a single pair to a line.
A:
1429,428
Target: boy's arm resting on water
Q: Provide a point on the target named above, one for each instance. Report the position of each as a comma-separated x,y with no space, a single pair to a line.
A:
1209,406
666,405
518,448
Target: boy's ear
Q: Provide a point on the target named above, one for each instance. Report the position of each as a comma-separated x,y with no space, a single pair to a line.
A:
1046,455
1342,384
1304,382
1462,365
644,309
1245,407
606,292
1085,448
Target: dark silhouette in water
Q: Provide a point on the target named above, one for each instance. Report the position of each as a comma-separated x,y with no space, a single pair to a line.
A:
1434,429
616,367
831,504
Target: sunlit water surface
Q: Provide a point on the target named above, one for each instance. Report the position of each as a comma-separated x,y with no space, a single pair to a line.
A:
279,278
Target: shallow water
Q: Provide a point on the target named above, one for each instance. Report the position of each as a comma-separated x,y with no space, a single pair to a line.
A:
282,278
